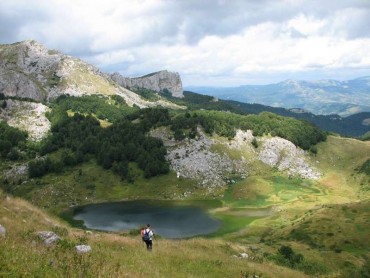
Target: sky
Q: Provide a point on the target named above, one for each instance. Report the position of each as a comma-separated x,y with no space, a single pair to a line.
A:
209,42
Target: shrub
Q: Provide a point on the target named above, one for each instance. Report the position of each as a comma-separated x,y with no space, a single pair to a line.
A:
255,143
313,268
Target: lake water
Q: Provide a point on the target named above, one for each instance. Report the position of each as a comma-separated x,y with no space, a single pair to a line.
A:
167,219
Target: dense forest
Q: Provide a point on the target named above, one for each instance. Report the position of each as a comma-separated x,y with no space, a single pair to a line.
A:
81,138
10,140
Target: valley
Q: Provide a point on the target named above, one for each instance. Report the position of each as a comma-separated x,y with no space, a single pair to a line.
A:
292,197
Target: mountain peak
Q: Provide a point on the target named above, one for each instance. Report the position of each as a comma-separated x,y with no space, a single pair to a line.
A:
159,81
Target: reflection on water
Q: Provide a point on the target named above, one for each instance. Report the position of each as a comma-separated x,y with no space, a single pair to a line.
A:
167,219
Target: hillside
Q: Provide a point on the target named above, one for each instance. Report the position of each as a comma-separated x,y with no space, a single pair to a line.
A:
354,125
274,183
30,71
301,206
23,253
320,97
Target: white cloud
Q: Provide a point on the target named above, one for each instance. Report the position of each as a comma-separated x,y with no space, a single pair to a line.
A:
222,42
306,25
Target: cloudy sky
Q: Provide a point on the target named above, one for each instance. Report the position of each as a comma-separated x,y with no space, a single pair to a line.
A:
209,42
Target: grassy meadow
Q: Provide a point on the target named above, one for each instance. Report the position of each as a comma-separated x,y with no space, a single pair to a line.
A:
326,221
22,254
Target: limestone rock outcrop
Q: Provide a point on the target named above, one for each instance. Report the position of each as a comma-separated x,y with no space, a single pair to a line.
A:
160,81
195,159
283,154
27,116
202,160
30,70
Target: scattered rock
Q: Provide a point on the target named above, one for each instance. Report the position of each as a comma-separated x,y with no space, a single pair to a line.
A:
2,230
48,237
16,173
243,255
83,248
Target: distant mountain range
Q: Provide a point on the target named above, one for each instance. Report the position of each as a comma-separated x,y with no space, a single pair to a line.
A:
354,125
29,71
320,97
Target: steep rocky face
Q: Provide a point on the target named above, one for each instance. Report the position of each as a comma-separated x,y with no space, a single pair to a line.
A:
158,81
29,70
283,154
197,158
22,69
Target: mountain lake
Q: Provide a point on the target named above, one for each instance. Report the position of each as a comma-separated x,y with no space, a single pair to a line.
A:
169,219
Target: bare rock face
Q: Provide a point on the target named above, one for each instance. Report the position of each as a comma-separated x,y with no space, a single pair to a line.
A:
24,69
30,70
158,81
194,159
284,155
27,116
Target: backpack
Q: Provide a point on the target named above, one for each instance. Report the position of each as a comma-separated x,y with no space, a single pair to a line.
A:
146,235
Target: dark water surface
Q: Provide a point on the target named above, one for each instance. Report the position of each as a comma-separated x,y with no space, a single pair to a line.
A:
167,219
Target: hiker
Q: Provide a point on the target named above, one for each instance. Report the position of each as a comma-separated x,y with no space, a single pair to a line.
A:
147,237
142,230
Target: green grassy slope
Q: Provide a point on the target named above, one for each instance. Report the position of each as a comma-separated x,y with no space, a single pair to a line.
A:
265,209
23,254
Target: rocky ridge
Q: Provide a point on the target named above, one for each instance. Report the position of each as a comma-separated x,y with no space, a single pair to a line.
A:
30,70
196,158
158,81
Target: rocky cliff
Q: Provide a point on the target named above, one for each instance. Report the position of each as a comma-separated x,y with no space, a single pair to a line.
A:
160,81
30,70
212,161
